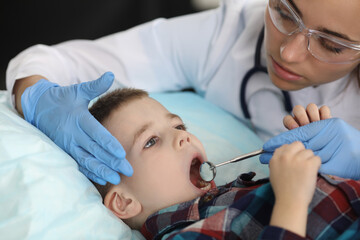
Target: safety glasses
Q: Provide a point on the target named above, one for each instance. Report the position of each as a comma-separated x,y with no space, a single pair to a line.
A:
322,46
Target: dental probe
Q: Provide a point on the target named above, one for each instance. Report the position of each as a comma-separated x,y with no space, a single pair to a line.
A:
208,169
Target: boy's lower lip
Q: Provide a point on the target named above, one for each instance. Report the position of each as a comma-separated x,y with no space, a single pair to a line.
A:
283,73
213,185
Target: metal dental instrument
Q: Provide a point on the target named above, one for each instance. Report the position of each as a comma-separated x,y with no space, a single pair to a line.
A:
208,169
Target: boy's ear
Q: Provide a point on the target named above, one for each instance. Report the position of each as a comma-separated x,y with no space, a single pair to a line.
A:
124,205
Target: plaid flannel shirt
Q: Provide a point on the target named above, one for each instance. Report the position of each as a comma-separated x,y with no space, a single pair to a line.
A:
242,210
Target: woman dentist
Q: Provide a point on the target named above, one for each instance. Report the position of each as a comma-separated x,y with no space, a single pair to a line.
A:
254,58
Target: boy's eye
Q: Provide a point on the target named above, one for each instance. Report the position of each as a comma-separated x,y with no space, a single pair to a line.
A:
181,127
152,141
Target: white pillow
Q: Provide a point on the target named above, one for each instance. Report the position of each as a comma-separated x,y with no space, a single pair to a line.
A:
44,196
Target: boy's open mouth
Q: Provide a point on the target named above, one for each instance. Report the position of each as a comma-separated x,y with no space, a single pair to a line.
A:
195,177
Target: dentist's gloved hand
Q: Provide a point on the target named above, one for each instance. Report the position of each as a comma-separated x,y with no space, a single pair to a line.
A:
62,114
333,140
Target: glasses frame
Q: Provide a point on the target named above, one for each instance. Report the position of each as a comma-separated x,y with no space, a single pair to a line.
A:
312,32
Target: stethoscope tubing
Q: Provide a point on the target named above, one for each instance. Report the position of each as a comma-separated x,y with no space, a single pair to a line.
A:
255,69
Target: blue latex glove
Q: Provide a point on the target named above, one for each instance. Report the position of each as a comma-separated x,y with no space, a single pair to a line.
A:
333,140
62,114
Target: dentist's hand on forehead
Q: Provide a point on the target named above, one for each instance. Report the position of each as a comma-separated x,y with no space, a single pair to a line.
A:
62,114
333,140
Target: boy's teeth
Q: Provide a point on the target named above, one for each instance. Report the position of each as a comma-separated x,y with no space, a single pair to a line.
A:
204,185
207,187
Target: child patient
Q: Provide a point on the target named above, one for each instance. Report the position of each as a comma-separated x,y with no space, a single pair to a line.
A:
166,198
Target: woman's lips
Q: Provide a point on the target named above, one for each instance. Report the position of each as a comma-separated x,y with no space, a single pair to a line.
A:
284,73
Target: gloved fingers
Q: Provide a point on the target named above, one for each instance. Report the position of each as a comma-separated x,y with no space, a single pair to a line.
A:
117,164
342,169
95,166
92,176
325,141
325,148
330,169
265,157
281,139
94,88
101,135
106,144
303,134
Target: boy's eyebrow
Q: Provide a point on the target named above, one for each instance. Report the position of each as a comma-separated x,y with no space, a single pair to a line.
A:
147,125
140,131
172,116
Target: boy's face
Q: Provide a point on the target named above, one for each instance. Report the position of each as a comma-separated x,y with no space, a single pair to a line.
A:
164,156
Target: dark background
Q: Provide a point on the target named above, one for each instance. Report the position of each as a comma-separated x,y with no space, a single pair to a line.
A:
28,22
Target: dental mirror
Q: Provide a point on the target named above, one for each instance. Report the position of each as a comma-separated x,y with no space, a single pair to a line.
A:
208,169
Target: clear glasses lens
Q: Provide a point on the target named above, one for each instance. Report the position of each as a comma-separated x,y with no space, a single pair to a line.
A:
320,45
282,18
329,51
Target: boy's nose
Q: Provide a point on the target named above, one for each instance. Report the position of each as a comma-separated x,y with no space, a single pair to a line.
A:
182,139
294,48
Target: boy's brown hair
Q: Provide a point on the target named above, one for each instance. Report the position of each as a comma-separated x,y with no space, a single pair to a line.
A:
102,109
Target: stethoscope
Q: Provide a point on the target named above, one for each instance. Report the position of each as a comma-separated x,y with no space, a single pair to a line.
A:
255,69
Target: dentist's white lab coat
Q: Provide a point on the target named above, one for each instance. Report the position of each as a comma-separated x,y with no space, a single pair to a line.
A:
208,51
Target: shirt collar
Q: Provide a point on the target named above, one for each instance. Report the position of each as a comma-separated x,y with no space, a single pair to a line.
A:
186,213
169,218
